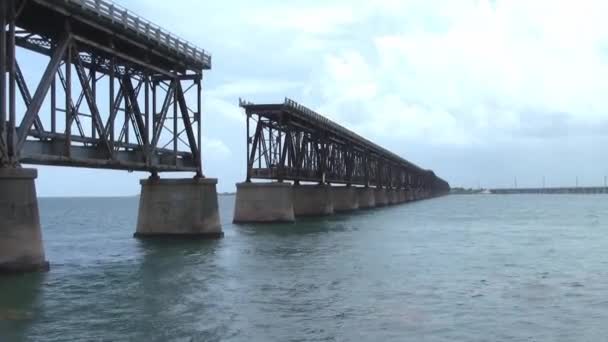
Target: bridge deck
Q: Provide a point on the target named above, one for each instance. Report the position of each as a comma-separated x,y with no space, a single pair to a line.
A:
103,23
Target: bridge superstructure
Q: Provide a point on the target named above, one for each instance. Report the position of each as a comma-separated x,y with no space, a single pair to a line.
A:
116,92
290,142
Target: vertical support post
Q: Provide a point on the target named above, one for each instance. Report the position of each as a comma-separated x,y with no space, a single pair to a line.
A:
127,110
154,84
112,100
94,93
199,127
11,131
323,159
280,153
3,63
249,164
175,123
54,105
366,167
261,133
68,100
270,156
146,136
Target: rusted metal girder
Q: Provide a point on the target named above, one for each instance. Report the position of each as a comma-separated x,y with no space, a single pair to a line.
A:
291,142
115,90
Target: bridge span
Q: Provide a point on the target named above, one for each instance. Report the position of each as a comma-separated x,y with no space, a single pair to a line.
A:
289,145
117,92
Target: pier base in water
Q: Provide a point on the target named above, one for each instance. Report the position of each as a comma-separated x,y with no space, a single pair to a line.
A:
312,200
402,195
345,198
381,197
392,196
367,198
263,202
179,208
21,247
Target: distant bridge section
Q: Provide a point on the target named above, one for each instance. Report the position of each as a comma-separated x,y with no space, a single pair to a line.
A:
552,191
287,141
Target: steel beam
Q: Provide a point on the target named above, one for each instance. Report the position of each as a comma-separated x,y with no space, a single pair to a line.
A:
3,92
41,91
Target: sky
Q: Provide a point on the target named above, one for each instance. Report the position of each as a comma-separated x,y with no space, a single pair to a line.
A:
485,93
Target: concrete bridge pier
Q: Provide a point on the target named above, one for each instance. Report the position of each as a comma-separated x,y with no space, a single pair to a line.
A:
366,197
21,248
381,197
402,196
345,198
264,202
312,200
178,208
392,196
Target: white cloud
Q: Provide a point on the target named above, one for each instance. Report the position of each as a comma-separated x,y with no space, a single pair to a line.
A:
475,72
252,87
215,150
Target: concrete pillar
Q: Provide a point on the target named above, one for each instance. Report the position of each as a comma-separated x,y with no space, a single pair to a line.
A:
397,196
402,196
179,208
367,198
392,196
411,197
381,197
312,200
263,202
21,248
345,198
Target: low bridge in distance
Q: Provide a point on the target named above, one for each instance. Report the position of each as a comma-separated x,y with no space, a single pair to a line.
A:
591,190
289,144
117,92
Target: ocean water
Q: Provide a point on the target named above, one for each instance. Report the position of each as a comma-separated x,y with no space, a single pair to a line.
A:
456,268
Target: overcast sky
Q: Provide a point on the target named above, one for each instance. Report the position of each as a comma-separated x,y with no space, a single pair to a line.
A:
482,92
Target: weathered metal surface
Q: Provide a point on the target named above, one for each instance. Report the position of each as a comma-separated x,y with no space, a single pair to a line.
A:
292,142
117,92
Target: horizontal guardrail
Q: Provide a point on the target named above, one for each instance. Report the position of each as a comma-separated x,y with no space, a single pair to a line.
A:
120,15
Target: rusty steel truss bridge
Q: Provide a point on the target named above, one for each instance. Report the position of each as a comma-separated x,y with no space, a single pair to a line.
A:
291,142
117,92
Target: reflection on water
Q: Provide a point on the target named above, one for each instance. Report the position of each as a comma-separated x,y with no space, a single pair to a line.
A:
471,268
19,296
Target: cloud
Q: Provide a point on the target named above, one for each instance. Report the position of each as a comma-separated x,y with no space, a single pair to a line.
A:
252,87
474,73
215,149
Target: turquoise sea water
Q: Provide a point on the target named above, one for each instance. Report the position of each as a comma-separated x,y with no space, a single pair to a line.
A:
457,268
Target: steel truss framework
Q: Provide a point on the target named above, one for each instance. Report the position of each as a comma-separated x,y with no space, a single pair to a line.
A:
291,142
152,116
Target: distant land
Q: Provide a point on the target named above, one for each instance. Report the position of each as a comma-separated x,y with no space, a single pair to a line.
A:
548,191
469,191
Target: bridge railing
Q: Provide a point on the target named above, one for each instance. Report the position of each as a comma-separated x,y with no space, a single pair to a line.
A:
120,15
